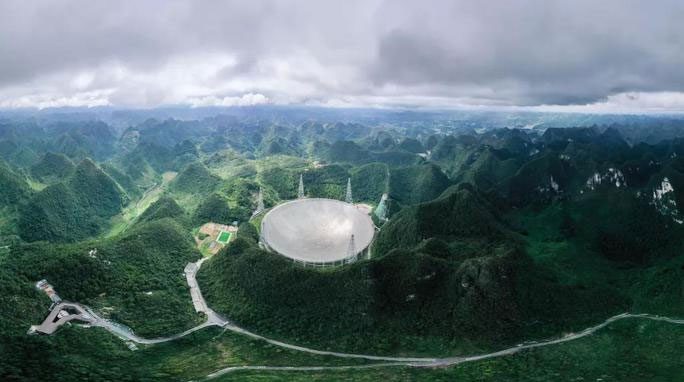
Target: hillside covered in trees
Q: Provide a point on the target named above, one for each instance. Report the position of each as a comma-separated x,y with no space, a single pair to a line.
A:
492,236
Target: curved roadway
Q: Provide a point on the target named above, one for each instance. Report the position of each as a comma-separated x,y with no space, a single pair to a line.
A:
214,319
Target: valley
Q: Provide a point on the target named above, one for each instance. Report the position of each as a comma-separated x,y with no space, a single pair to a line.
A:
121,221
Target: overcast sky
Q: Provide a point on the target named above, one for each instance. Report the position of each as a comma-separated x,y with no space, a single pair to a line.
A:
607,55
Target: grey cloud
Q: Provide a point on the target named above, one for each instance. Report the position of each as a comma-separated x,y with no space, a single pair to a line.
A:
52,35
515,52
546,51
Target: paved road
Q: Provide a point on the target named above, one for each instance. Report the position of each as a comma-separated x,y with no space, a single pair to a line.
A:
87,315
214,319
570,337
198,301
412,361
51,323
451,361
299,368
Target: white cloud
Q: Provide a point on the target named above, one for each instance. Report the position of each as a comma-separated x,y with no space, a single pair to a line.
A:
627,102
249,99
43,101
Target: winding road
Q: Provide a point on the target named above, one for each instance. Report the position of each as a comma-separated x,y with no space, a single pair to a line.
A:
215,319
439,362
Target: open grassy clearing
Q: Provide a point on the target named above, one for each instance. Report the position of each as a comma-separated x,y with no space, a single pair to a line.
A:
228,164
224,237
212,237
35,185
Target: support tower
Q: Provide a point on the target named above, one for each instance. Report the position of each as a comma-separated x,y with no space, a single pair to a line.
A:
260,202
348,197
381,210
351,251
300,191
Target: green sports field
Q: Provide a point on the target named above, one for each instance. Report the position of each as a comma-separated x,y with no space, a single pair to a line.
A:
224,237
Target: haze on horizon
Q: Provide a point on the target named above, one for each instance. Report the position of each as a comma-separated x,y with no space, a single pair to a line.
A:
607,56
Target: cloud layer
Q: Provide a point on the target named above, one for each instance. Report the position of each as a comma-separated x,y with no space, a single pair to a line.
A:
596,55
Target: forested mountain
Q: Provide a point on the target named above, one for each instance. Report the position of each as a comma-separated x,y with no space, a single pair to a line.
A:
195,178
213,209
73,209
493,234
52,168
14,186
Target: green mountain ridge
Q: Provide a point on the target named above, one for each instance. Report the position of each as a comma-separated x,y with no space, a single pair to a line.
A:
14,187
52,167
74,209
195,178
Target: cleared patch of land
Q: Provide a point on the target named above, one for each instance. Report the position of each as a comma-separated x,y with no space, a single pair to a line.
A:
211,237
224,237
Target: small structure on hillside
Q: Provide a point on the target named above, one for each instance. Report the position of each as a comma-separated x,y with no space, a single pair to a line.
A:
46,287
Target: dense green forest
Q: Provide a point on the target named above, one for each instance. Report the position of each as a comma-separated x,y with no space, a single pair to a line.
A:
164,207
76,208
52,168
495,236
